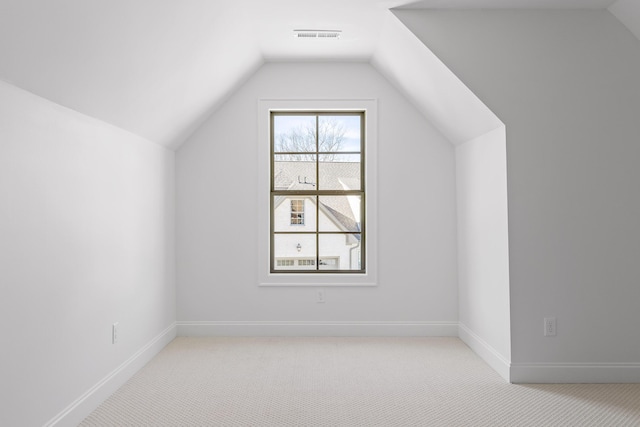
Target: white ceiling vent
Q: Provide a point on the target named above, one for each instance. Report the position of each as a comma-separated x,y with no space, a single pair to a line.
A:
317,34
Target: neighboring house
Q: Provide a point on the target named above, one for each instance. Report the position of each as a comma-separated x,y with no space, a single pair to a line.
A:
337,217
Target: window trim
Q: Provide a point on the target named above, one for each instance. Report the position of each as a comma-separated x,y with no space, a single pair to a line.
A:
342,279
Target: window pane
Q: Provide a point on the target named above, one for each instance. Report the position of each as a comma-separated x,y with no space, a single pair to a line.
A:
340,213
340,251
286,219
295,247
291,173
339,133
339,172
294,133
312,153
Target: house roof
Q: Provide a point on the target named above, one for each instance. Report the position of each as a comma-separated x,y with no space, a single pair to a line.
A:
158,68
301,175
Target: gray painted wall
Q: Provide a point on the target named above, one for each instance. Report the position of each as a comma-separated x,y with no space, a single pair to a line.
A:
565,83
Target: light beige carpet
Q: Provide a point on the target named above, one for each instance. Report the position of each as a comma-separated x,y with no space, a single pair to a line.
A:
348,382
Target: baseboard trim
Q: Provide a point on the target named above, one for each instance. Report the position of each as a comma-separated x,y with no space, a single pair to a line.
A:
489,354
307,329
77,411
575,373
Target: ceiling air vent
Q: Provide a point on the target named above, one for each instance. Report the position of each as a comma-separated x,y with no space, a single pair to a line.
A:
317,34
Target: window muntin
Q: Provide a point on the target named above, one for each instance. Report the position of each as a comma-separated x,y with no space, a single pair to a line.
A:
317,174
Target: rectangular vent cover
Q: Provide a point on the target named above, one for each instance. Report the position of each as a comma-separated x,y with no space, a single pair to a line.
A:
317,34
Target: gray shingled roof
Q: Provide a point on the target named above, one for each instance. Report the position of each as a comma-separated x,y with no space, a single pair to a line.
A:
301,175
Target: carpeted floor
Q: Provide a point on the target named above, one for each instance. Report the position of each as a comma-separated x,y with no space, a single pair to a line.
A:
348,382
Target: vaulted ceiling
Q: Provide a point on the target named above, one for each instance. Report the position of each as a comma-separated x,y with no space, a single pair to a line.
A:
157,68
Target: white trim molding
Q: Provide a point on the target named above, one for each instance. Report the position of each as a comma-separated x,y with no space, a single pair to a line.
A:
489,354
370,107
575,373
318,328
78,410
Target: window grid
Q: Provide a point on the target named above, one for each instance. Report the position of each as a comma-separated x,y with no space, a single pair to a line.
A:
326,266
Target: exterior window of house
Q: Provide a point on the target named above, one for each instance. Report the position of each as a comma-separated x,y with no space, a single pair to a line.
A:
317,192
329,263
297,212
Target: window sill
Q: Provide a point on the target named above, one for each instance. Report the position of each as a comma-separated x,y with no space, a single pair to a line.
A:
320,281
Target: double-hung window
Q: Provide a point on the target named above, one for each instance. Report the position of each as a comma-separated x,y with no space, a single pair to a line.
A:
317,192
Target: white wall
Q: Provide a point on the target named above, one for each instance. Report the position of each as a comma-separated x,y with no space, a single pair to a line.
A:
483,248
565,83
217,246
86,228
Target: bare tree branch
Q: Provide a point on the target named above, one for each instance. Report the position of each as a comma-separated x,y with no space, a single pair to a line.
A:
302,140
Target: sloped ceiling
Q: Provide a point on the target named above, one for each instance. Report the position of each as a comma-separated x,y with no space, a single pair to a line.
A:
157,68
628,12
441,97
150,67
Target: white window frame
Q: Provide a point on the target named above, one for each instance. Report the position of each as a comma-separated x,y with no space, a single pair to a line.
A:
265,277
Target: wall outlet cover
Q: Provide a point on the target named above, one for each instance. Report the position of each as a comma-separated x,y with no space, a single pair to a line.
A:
550,329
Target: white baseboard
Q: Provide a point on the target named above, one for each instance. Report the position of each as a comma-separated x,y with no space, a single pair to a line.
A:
486,352
571,373
77,411
319,329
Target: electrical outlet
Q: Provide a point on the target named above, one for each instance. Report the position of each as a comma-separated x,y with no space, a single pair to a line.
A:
320,299
549,326
114,333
